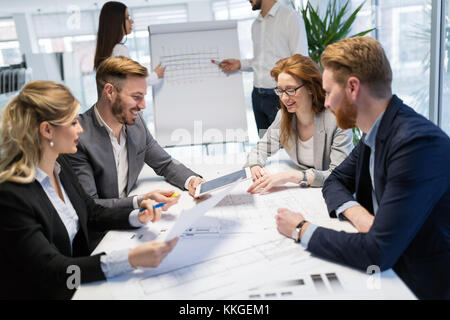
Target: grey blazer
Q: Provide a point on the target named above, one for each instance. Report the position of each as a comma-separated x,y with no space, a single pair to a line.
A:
96,168
331,145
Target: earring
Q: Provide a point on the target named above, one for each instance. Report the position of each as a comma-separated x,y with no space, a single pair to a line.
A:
52,144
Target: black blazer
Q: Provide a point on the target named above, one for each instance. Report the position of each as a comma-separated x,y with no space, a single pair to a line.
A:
34,245
411,230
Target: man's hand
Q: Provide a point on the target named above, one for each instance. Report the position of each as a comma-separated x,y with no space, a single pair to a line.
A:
162,196
149,214
150,254
230,65
360,218
159,70
288,220
193,184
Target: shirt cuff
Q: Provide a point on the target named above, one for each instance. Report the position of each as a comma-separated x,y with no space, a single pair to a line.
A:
133,219
246,64
115,263
344,207
136,202
186,184
153,79
307,235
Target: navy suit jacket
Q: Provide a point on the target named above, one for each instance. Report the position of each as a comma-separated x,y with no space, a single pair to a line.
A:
411,230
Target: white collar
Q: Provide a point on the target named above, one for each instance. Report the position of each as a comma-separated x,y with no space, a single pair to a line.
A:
272,12
103,123
40,175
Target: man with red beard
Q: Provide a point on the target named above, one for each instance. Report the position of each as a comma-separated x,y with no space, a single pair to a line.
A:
395,185
116,142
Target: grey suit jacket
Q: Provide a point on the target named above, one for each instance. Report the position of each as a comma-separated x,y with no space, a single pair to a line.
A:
95,165
331,145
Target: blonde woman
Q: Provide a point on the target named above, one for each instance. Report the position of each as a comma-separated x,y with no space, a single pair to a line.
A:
303,127
44,212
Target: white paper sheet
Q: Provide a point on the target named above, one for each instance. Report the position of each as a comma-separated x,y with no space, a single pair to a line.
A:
188,217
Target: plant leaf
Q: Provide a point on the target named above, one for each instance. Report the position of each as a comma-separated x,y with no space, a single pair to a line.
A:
334,26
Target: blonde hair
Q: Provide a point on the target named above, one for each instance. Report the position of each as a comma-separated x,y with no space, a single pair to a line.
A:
115,70
20,143
363,58
306,70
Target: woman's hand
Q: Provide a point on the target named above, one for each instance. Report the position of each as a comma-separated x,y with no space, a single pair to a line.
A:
150,254
159,70
257,172
268,180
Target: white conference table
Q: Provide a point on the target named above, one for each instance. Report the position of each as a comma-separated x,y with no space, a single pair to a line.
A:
235,251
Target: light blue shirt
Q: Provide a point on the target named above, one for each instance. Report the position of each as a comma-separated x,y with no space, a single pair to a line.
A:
64,208
112,263
369,141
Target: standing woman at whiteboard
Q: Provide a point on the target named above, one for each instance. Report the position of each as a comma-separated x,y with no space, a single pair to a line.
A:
114,25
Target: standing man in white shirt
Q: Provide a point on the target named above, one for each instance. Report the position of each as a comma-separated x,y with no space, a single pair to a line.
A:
277,33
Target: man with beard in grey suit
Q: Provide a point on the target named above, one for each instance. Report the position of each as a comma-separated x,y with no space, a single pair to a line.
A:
116,142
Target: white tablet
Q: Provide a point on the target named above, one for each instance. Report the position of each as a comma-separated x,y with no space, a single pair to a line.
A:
215,184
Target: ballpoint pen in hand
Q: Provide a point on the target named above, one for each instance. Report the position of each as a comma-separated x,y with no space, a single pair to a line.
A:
161,204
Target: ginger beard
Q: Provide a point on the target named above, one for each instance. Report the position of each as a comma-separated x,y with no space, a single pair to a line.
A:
346,114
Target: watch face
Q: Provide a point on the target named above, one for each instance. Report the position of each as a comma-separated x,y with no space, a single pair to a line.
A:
295,234
303,184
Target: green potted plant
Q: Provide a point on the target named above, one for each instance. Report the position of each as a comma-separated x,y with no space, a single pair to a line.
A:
333,26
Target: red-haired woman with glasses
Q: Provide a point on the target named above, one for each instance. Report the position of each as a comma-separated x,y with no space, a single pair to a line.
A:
303,127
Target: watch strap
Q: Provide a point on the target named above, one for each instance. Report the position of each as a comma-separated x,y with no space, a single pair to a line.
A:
299,229
304,182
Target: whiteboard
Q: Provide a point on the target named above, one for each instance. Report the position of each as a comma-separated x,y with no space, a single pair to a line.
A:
196,102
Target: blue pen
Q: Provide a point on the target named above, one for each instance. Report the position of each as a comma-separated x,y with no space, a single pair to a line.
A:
159,205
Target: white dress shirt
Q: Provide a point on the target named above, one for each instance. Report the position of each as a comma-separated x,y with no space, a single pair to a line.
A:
120,155
112,263
280,34
64,208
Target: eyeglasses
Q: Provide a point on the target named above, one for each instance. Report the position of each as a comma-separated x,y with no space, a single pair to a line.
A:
290,92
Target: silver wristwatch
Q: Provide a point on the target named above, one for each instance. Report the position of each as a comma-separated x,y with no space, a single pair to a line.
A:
304,182
296,233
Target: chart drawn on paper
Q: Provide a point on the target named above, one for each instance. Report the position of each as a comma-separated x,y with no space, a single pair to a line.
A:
190,65
255,213
250,214
260,253
304,285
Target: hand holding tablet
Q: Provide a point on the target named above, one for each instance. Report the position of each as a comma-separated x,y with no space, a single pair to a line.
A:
218,183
